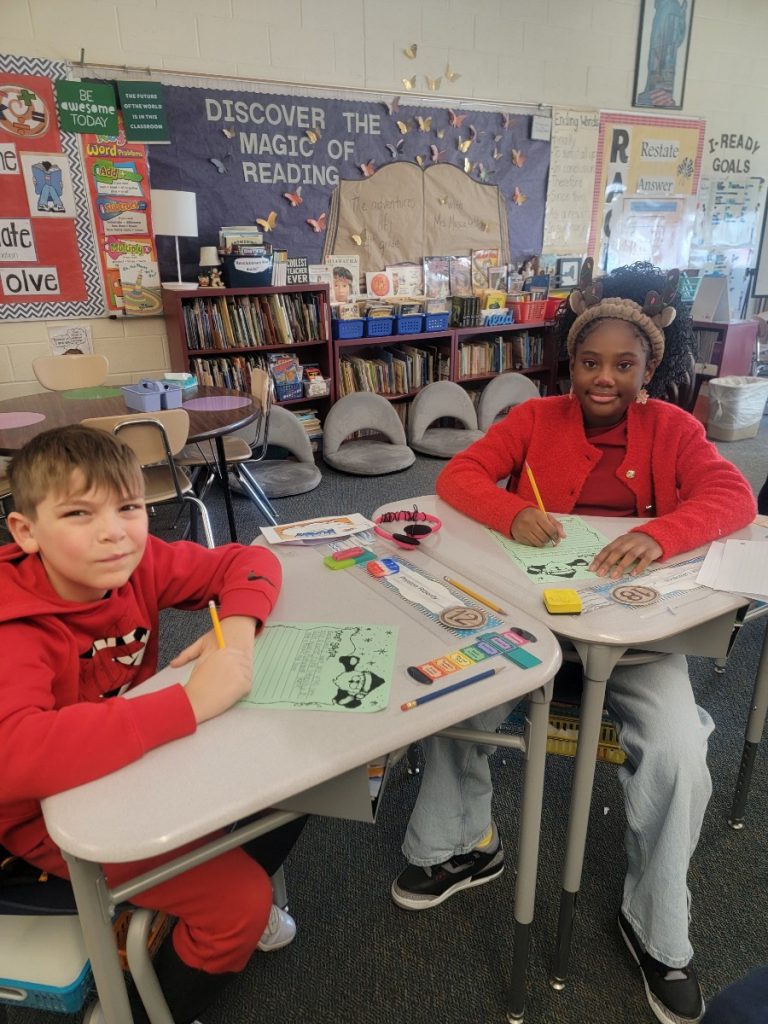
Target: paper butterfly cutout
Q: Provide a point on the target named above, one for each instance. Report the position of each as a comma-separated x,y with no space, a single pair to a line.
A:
452,76
313,135
467,165
433,84
456,120
442,200
367,169
409,83
496,153
482,172
424,123
395,148
436,153
357,239
294,198
473,133
420,160
269,223
392,106
518,158
463,145
317,225
411,51
404,128
229,132
506,121
440,133
218,164
518,197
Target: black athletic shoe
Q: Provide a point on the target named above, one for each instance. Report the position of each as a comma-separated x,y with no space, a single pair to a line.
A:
421,888
673,992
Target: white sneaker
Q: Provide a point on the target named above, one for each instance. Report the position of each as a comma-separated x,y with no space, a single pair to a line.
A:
280,931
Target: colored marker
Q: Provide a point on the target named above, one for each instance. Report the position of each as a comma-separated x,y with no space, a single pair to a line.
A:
449,689
477,597
216,624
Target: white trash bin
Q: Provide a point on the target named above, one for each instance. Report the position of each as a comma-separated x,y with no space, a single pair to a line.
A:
735,407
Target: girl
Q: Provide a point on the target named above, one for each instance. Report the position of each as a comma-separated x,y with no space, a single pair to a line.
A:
605,449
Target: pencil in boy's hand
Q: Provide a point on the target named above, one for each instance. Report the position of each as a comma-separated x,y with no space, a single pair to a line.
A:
449,689
216,624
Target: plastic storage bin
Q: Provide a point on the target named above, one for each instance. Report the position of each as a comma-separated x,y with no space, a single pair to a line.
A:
552,307
736,407
152,395
294,389
436,321
413,324
528,312
378,326
346,329
45,963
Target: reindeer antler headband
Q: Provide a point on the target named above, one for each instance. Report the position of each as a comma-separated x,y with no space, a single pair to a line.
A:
652,317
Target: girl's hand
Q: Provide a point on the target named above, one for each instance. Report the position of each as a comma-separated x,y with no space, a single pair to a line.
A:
617,557
536,528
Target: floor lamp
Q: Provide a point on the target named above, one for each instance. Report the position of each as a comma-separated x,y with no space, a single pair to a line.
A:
174,213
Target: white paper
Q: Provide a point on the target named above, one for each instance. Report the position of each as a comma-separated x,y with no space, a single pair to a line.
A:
737,567
323,528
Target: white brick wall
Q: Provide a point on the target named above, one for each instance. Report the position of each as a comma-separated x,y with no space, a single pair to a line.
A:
548,51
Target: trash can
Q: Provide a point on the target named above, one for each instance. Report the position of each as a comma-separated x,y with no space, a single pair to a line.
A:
735,407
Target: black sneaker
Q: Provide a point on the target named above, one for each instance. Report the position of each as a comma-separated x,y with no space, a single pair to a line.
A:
420,888
673,993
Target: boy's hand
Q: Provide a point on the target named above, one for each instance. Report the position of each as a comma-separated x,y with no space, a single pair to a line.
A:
219,680
238,630
536,528
616,558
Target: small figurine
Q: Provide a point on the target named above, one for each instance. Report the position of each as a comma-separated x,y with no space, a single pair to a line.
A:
215,275
204,280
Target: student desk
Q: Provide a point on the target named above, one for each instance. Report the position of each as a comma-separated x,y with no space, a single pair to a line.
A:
250,759
701,623
213,412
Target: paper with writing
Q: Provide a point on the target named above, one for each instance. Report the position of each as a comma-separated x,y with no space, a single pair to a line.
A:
568,560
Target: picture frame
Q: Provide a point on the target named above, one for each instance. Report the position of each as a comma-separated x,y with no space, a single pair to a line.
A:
568,270
663,41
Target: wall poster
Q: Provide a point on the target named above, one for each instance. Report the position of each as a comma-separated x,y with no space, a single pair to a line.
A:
571,177
48,266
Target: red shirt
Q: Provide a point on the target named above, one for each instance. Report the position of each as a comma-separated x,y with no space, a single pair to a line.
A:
604,492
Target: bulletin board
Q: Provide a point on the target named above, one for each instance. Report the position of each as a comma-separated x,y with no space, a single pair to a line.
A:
48,261
276,158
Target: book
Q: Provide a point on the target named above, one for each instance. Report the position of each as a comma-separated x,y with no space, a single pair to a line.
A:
494,299
297,270
408,278
346,276
482,259
437,277
460,274
380,284
319,273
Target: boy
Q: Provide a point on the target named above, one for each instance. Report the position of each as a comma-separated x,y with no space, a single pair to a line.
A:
82,588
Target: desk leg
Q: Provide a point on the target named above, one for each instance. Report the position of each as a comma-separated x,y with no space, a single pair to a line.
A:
598,662
224,478
528,831
93,908
755,725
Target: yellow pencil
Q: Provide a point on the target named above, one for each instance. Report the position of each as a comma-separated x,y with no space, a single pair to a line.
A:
535,489
216,624
477,597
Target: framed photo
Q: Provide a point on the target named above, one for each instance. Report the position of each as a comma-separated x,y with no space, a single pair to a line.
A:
568,271
662,53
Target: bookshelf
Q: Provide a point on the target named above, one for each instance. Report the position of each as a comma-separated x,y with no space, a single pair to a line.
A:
725,348
481,353
220,334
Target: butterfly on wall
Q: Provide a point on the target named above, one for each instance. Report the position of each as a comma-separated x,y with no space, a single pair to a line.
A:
467,165
483,172
357,239
392,105
463,145
317,224
411,51
506,121
220,166
229,133
269,223
313,135
433,84
403,127
518,197
409,83
420,160
518,158
452,76
496,153
395,148
456,120
294,198
436,154
424,123
367,169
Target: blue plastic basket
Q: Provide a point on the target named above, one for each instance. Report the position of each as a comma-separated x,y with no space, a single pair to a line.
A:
378,326
345,329
436,321
295,389
412,324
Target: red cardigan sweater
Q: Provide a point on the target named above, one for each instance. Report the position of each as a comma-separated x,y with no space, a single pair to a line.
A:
676,475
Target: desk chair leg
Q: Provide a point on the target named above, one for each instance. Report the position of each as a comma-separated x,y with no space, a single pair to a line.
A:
224,478
529,830
599,662
142,971
96,922
256,493
754,734
204,518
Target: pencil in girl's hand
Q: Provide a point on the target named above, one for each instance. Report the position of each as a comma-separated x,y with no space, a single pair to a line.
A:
216,624
534,488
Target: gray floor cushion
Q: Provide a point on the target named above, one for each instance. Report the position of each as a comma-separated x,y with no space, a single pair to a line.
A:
370,458
445,442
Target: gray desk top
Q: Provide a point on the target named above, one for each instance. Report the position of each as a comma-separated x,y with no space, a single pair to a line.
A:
250,759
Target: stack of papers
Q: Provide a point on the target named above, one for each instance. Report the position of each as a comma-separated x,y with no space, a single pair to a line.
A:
738,567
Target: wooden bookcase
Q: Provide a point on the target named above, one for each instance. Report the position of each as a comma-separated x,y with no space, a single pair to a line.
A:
219,333
527,348
725,348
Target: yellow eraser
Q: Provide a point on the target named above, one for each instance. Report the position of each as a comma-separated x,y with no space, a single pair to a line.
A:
562,602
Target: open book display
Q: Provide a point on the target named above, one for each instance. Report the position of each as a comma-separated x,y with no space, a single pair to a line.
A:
402,212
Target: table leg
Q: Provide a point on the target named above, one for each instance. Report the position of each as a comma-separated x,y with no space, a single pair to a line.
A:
598,662
224,478
94,912
529,829
754,733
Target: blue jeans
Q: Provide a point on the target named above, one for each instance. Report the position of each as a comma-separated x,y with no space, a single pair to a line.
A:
666,787
743,1002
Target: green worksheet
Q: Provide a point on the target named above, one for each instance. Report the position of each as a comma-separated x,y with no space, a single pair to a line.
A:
322,666
568,560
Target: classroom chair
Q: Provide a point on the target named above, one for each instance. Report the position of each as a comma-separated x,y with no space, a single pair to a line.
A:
443,399
242,448
156,437
500,394
67,372
381,450
297,472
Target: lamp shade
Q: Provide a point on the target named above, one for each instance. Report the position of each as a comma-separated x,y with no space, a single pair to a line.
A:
209,256
173,212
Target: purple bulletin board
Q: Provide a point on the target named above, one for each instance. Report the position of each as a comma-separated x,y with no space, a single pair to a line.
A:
256,156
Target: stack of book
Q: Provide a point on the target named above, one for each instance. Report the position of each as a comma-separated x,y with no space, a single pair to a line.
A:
466,311
312,427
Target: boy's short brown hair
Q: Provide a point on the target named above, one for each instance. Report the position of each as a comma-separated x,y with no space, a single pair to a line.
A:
45,465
